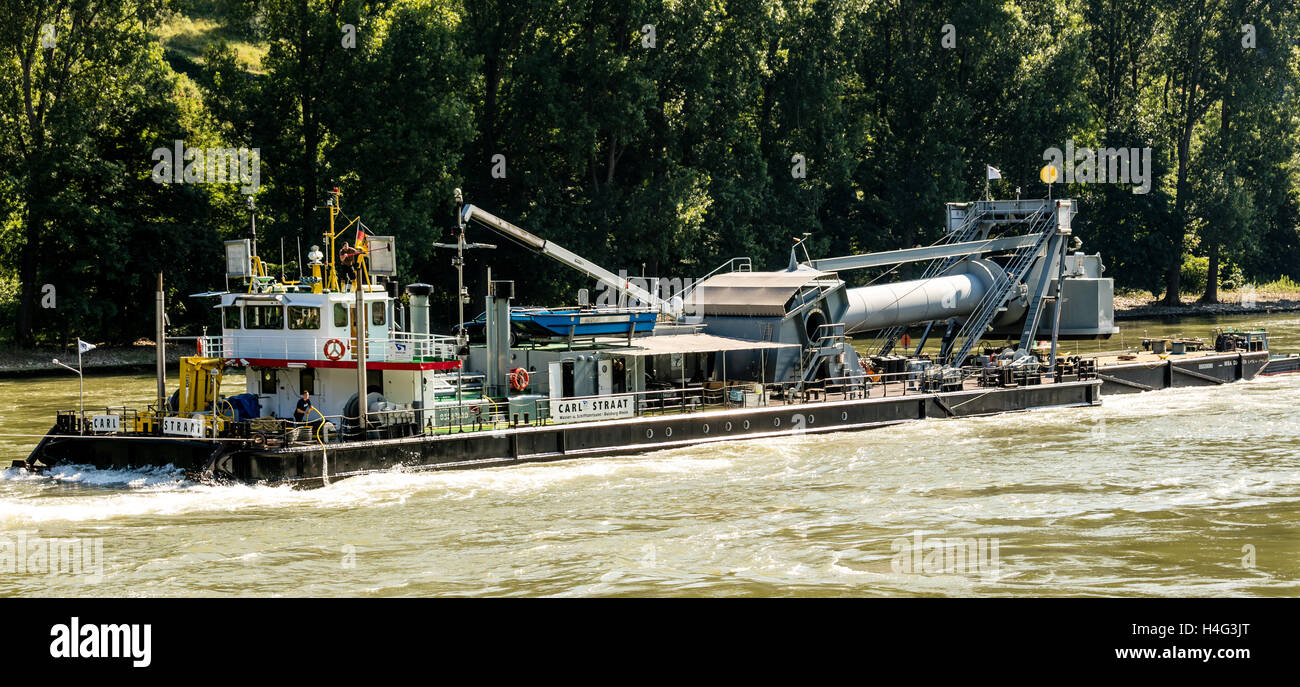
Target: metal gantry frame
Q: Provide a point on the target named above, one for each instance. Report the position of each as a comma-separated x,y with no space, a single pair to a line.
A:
1050,223
1037,254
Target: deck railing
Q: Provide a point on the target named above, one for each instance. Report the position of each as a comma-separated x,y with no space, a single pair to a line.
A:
473,415
397,347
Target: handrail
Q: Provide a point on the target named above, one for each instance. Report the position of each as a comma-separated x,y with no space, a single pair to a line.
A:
469,415
746,265
395,347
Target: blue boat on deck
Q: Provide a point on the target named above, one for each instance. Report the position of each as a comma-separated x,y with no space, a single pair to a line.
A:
571,322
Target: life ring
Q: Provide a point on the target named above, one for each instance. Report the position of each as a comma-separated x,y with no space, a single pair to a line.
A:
519,379
334,349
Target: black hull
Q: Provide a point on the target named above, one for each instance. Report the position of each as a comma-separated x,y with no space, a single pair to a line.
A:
1282,366
134,452
312,466
1176,372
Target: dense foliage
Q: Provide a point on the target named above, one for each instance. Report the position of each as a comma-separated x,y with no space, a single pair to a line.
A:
655,136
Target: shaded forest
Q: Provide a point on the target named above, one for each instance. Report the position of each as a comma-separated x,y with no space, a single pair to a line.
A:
656,136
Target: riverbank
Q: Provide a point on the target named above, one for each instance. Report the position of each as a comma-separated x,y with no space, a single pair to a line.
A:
1138,307
35,362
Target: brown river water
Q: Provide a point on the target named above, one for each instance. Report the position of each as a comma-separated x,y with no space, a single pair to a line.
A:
1190,492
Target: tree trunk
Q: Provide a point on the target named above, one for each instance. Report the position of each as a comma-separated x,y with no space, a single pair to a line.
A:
1173,286
309,135
1172,275
1225,119
1188,124
25,335
1211,295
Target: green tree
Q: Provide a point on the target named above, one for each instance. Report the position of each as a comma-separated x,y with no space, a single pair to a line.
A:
82,103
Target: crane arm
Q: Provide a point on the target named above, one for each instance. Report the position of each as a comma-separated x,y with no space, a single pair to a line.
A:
568,257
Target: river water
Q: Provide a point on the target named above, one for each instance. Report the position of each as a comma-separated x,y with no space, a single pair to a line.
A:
1182,493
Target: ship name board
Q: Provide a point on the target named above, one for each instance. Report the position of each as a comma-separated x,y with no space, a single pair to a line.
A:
586,409
105,423
183,426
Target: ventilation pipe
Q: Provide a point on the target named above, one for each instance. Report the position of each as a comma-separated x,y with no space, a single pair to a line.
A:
419,307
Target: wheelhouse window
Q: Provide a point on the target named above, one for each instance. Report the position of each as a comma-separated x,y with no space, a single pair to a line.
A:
264,317
230,317
377,311
304,317
340,315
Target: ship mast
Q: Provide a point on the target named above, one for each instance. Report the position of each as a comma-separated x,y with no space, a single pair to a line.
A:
360,348
161,347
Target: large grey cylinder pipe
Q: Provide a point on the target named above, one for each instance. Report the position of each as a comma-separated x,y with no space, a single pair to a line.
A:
419,307
919,300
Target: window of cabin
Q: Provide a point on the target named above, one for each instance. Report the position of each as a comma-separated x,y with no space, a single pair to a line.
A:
268,381
231,317
377,311
304,317
263,317
306,380
340,315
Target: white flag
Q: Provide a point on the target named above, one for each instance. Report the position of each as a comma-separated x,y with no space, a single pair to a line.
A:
993,173
82,346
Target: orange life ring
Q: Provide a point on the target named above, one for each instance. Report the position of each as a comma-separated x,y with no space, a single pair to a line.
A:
519,379
334,349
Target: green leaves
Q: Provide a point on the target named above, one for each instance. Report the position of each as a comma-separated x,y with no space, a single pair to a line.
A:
671,156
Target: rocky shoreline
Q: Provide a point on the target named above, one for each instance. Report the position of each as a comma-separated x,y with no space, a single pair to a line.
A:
1139,307
35,362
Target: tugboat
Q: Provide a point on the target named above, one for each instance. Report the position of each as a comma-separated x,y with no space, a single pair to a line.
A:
344,377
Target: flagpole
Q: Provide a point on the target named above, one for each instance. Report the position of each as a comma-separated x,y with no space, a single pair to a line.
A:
81,394
81,388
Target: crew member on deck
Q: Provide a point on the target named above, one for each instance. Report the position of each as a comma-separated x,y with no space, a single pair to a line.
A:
347,263
303,410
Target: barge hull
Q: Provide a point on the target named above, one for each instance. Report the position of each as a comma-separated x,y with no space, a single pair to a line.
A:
1176,372
310,466
1282,365
112,452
